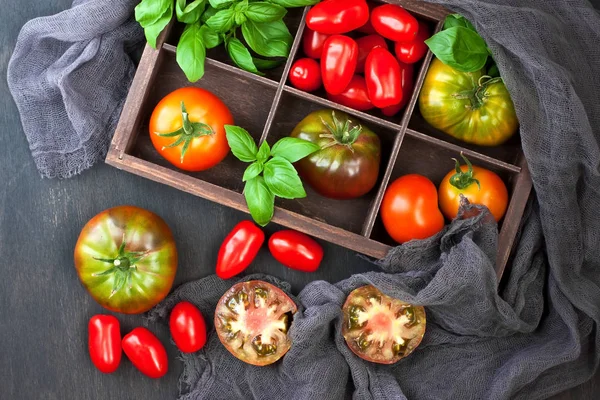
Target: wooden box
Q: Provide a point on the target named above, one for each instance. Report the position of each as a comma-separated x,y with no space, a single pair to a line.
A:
269,108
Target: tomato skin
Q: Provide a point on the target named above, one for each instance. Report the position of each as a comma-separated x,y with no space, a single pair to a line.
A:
146,352
147,238
338,62
365,45
188,328
489,123
104,342
493,193
411,51
384,78
202,106
333,17
312,43
355,96
238,249
407,72
394,22
296,250
305,74
410,209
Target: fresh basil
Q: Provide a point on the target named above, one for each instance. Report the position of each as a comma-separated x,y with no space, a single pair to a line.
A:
153,30
260,200
453,20
241,55
459,47
282,179
209,12
240,17
265,12
222,21
148,12
191,52
263,152
253,170
269,39
189,13
241,143
209,37
293,149
294,3
267,64
220,3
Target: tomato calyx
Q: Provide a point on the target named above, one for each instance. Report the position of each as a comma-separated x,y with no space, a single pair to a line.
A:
188,132
478,94
463,179
340,133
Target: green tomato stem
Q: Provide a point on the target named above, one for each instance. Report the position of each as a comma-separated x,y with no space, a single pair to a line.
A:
463,179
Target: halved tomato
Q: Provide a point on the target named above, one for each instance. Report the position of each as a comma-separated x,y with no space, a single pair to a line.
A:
252,320
379,328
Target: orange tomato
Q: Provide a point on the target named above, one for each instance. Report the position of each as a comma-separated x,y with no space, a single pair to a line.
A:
187,128
410,209
478,185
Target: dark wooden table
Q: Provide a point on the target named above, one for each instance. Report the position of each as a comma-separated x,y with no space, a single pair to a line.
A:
44,310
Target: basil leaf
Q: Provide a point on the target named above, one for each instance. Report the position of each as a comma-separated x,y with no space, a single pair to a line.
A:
149,12
241,143
253,171
220,3
240,17
460,48
294,3
222,21
453,20
265,12
260,200
263,152
266,64
191,52
269,39
210,38
282,179
190,13
153,30
209,12
241,56
293,149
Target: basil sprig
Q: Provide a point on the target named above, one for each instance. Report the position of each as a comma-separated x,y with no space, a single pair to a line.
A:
212,22
271,172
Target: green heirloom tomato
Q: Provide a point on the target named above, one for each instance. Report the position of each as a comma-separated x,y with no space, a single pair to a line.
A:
469,106
347,165
126,259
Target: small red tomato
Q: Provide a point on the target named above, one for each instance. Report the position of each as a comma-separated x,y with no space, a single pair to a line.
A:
413,50
296,250
355,96
312,43
104,342
337,16
305,74
365,45
394,22
146,352
188,328
238,249
384,78
407,71
338,63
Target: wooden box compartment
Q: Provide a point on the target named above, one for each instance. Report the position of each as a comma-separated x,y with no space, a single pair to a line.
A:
269,108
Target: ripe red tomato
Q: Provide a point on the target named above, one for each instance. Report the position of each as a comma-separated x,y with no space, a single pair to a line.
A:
413,50
379,328
355,96
238,249
384,78
410,209
305,74
146,352
104,342
365,45
312,43
252,320
408,84
296,250
478,185
187,128
394,22
338,62
337,16
188,328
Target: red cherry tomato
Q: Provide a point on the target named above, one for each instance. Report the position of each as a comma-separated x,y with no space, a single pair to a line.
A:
338,62
368,26
394,22
413,50
296,250
365,45
408,84
188,328
312,43
337,16
146,352
238,249
355,96
305,74
104,342
384,78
